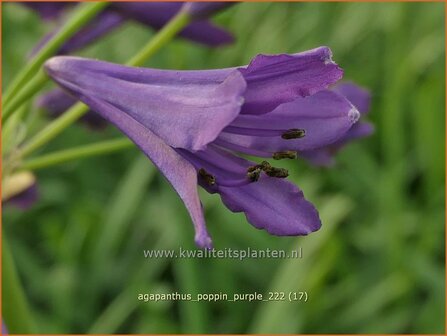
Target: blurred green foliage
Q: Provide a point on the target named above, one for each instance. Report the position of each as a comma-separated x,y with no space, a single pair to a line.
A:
377,264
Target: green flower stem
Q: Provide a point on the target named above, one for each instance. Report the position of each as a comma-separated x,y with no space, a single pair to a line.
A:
16,312
28,91
74,113
53,129
81,17
62,156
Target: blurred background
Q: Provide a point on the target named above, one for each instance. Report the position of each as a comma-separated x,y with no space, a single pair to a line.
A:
376,265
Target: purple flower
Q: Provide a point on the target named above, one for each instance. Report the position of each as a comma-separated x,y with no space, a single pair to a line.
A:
4,330
152,14
361,99
192,123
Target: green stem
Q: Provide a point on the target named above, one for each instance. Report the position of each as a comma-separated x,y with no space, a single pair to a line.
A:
54,128
9,132
28,91
78,110
83,15
62,156
16,311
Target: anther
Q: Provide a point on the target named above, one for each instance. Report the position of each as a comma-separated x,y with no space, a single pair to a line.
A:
254,174
265,166
285,155
252,168
207,177
277,172
262,166
294,133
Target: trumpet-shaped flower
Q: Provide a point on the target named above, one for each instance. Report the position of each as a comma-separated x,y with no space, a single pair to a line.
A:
192,124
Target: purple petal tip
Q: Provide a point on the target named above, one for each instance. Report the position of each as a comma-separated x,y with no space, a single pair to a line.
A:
203,242
54,64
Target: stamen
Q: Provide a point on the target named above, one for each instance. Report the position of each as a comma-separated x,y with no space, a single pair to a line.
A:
253,175
210,179
265,166
285,155
254,172
277,172
294,133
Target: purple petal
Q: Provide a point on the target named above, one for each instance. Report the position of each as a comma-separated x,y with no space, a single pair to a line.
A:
360,130
358,96
185,108
325,117
276,79
323,157
103,24
206,33
178,171
47,10
157,14
275,205
227,169
57,101
25,199
200,10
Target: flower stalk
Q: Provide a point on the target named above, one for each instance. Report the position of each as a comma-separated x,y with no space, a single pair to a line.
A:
28,91
104,147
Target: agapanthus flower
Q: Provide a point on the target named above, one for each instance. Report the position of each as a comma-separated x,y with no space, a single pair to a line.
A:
361,99
192,124
152,14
